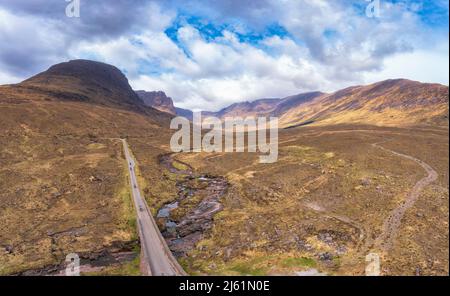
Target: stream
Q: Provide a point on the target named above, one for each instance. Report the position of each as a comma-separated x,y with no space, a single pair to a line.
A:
184,221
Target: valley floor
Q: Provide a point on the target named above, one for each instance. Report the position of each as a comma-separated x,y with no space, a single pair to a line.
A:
327,203
335,195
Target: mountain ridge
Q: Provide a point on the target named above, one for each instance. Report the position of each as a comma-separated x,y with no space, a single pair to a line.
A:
402,101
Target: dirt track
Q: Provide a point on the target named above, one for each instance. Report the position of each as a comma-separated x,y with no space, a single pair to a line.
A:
393,221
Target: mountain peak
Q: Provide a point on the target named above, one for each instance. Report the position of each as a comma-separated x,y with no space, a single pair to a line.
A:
89,71
158,100
87,81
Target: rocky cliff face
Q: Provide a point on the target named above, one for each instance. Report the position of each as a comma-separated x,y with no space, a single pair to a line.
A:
157,100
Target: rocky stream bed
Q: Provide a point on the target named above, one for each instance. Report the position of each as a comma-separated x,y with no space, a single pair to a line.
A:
185,220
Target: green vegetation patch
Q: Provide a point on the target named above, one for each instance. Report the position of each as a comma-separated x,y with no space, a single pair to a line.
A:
180,166
299,262
129,223
96,146
255,266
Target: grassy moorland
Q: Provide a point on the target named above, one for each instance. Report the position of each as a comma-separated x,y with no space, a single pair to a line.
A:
324,203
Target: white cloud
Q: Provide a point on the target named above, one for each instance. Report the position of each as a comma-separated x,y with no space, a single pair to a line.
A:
228,71
7,78
422,65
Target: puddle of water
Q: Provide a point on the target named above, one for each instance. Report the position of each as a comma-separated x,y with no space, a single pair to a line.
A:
164,212
171,224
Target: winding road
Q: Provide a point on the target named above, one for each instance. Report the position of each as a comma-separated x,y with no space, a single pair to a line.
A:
156,257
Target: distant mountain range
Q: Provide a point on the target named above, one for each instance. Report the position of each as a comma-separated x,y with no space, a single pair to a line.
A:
389,102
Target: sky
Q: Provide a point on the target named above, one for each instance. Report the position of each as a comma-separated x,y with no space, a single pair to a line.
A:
208,54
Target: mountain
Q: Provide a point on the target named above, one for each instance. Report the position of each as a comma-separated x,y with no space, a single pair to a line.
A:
390,103
157,100
292,102
396,102
255,108
85,81
160,101
63,179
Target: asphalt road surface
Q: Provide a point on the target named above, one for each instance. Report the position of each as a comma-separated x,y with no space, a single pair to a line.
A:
156,258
